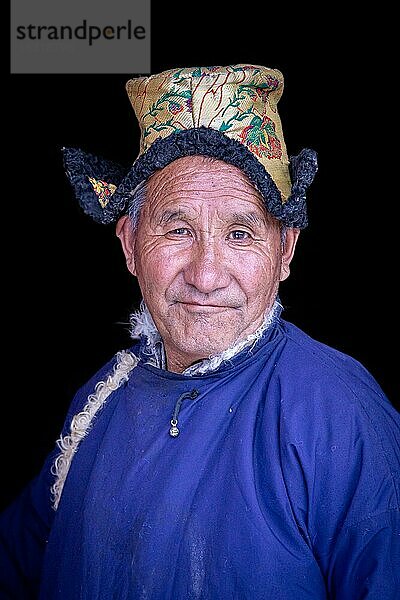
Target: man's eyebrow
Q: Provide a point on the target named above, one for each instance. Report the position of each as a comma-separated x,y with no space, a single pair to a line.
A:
244,218
168,216
247,218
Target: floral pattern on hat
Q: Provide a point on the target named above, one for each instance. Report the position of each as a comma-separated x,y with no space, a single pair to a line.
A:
103,190
239,101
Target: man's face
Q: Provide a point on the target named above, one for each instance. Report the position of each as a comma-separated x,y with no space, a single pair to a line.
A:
207,256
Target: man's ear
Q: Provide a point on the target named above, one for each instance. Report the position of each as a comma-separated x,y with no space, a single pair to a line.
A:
288,248
127,239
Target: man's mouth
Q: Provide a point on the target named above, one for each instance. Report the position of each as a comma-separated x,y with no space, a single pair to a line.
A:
200,307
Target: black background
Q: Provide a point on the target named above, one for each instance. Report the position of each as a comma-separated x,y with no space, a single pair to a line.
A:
66,290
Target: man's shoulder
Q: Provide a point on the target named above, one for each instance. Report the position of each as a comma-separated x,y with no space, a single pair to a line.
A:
313,364
101,376
331,407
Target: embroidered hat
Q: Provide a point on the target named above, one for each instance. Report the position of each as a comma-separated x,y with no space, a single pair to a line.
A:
229,113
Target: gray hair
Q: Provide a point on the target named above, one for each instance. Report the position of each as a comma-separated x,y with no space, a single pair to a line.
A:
284,229
136,201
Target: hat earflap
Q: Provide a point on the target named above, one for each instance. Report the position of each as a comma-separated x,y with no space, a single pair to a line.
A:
94,180
303,168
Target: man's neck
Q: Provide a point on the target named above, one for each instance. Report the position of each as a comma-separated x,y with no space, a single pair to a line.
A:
143,326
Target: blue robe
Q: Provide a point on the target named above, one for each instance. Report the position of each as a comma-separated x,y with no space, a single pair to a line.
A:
283,483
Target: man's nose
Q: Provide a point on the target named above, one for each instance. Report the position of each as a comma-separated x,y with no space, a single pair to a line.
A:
206,269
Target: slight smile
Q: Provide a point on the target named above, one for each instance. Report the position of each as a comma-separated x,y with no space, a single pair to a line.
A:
203,308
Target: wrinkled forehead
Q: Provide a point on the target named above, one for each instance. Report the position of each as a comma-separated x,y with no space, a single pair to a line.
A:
199,179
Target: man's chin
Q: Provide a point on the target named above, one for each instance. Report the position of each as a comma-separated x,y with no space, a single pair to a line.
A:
195,334
199,343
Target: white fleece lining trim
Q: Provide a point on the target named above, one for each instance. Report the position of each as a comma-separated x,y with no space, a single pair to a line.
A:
81,422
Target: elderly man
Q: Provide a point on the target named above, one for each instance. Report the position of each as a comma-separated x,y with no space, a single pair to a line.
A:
226,454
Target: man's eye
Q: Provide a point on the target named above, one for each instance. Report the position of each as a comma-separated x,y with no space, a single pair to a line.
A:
180,231
239,235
